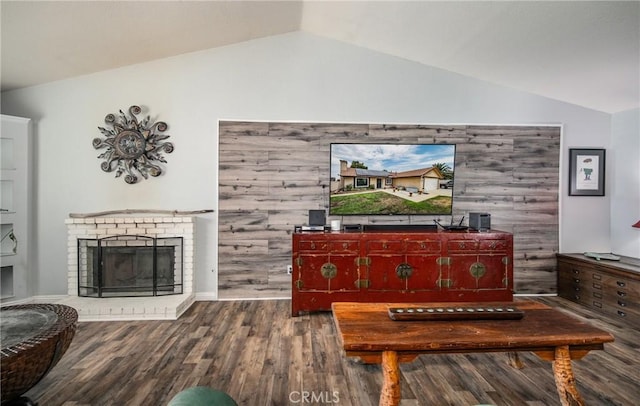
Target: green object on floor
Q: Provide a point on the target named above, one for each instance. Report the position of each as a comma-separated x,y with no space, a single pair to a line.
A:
202,396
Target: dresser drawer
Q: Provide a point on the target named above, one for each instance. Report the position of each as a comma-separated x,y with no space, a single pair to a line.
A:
622,286
424,246
493,245
466,246
382,246
609,287
619,313
313,245
344,246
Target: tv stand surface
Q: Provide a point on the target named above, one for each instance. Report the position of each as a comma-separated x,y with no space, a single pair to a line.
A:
400,227
400,266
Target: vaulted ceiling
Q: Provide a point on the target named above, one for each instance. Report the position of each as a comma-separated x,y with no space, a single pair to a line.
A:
585,53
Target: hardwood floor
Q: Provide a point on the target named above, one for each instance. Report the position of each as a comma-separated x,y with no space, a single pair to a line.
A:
257,353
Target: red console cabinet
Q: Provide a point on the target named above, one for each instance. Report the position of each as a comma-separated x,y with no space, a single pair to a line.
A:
388,266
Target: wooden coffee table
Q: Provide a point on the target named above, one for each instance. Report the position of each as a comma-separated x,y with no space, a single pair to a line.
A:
367,331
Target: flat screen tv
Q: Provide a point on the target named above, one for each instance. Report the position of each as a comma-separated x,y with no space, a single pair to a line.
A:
391,179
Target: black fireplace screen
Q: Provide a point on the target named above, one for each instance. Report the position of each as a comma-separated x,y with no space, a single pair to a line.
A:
130,265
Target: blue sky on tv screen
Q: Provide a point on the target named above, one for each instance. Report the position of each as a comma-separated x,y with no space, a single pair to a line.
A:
392,157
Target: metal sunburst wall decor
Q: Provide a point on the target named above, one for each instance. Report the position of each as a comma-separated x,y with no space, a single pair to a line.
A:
132,146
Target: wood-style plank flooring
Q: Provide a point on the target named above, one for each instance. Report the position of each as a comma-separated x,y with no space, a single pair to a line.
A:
258,354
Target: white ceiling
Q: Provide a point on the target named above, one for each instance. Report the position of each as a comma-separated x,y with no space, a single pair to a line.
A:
585,53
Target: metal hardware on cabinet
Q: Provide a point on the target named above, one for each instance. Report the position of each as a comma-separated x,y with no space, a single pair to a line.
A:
443,261
597,286
477,270
404,271
597,276
329,270
362,283
461,245
597,304
505,282
597,295
313,246
444,283
366,261
622,314
576,281
506,260
621,284
621,293
576,271
577,288
299,261
299,284
345,245
493,245
623,304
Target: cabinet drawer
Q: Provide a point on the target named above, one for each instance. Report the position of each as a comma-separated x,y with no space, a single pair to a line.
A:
622,300
313,245
582,281
424,246
462,245
630,288
391,246
621,313
344,246
566,270
493,245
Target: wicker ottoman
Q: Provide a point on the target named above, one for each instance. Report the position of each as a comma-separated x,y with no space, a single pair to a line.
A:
34,338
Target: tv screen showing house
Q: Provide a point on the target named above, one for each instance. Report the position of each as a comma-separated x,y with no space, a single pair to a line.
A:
392,179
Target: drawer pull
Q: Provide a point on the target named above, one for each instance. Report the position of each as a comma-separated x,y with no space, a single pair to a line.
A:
577,288
621,284
622,314
576,271
622,294
597,286
621,303
576,280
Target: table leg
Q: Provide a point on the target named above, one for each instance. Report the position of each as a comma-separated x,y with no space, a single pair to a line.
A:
565,381
390,395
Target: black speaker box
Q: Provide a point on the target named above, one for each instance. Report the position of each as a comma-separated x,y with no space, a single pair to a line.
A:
317,218
480,221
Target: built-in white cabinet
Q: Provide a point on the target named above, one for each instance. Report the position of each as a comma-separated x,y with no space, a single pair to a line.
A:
15,208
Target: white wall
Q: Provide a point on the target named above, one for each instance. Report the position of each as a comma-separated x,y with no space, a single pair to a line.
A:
625,182
296,76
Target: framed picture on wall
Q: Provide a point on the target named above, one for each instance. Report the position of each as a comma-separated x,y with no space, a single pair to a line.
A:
586,172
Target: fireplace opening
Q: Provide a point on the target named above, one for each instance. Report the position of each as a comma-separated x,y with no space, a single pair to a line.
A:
130,265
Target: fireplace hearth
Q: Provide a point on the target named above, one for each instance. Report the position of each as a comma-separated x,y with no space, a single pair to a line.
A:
129,265
111,260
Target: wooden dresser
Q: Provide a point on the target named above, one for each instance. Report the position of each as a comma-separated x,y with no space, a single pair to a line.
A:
394,266
609,287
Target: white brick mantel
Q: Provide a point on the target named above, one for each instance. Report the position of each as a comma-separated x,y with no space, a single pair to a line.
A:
148,226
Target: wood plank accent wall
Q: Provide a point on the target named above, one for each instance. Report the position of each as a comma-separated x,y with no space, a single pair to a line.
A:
272,174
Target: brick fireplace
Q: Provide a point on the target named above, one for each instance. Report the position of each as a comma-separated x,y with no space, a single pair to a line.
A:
134,238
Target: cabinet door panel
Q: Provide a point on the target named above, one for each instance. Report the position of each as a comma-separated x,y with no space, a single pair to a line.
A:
408,272
327,272
479,271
